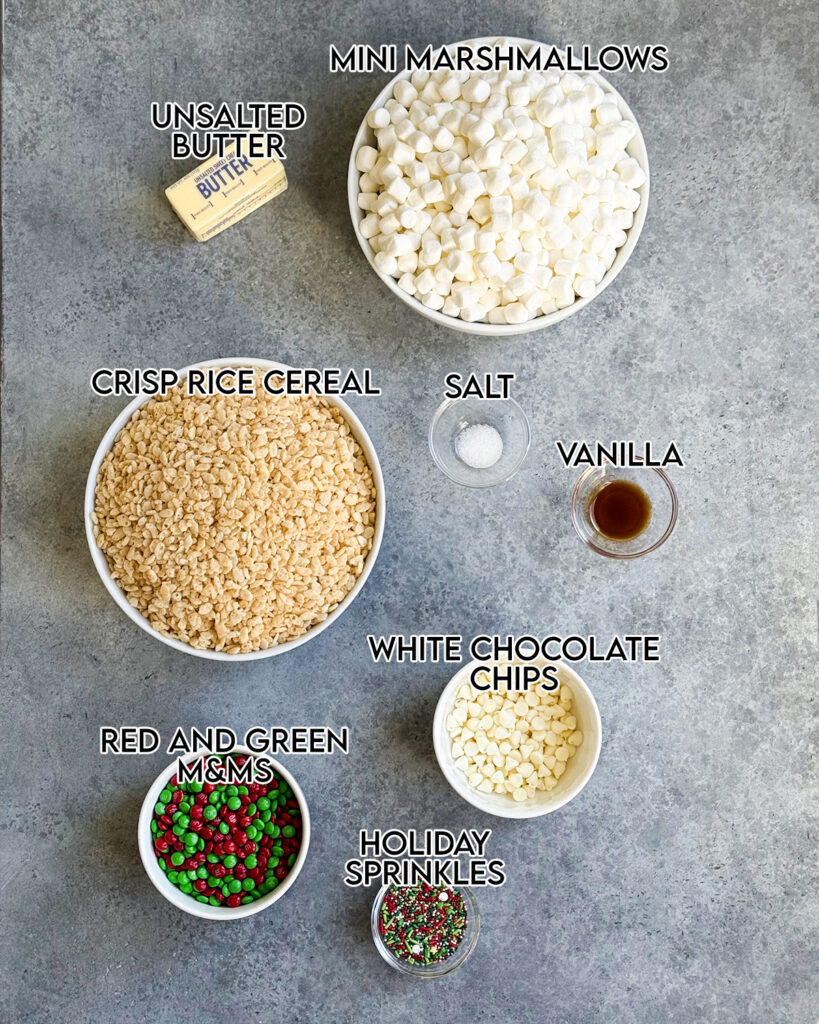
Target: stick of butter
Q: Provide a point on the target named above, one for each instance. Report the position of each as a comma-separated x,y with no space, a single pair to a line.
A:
222,190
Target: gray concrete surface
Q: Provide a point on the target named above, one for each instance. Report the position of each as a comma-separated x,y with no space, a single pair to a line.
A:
681,885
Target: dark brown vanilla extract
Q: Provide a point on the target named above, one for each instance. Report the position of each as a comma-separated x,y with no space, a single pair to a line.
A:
620,510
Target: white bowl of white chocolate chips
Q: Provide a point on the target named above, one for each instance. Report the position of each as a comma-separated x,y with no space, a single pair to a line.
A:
498,203
515,754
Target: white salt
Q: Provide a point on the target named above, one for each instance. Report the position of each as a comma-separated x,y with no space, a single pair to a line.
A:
479,446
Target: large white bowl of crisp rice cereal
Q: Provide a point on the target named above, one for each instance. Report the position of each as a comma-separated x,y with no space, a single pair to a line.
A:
234,528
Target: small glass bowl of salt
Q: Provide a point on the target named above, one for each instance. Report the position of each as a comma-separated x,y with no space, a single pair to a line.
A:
479,442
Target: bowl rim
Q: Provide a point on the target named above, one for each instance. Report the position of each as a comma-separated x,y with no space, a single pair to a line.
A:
622,556
113,588
539,322
474,485
429,972
187,903
442,745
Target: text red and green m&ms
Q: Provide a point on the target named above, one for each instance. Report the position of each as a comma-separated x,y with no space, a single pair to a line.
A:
422,924
226,845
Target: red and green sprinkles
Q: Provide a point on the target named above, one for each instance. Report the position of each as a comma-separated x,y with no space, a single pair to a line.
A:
422,924
226,845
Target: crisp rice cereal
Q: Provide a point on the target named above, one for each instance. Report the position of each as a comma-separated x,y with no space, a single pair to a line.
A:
233,523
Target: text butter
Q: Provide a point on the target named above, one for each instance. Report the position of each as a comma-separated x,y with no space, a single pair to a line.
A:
223,190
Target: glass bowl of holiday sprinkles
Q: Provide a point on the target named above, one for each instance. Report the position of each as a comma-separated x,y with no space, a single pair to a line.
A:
425,931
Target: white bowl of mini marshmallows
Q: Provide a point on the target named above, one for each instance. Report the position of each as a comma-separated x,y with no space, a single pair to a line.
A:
504,732
498,203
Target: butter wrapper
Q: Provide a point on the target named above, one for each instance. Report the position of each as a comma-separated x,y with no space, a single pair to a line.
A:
223,190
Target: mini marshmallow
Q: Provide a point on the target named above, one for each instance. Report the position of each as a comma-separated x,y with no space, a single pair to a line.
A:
476,90
523,127
400,153
404,130
481,132
461,206
450,89
418,173
442,138
386,137
531,243
501,222
515,313
406,282
505,129
369,225
580,225
507,249
481,211
415,200
497,181
470,184
379,118
397,111
514,151
536,205
432,191
365,158
432,161
525,262
367,184
430,93
489,156
389,224
518,187
485,241
385,263
405,93
464,294
465,237
425,281
560,289
408,262
607,112
459,262
521,221
432,300
420,142
533,300
449,163
488,264
565,268
518,95
390,171
399,188
560,236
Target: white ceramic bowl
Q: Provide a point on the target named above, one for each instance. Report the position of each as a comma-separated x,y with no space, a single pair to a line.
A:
636,148
579,768
188,903
118,594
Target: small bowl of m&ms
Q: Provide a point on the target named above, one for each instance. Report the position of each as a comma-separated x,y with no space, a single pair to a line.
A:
224,849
